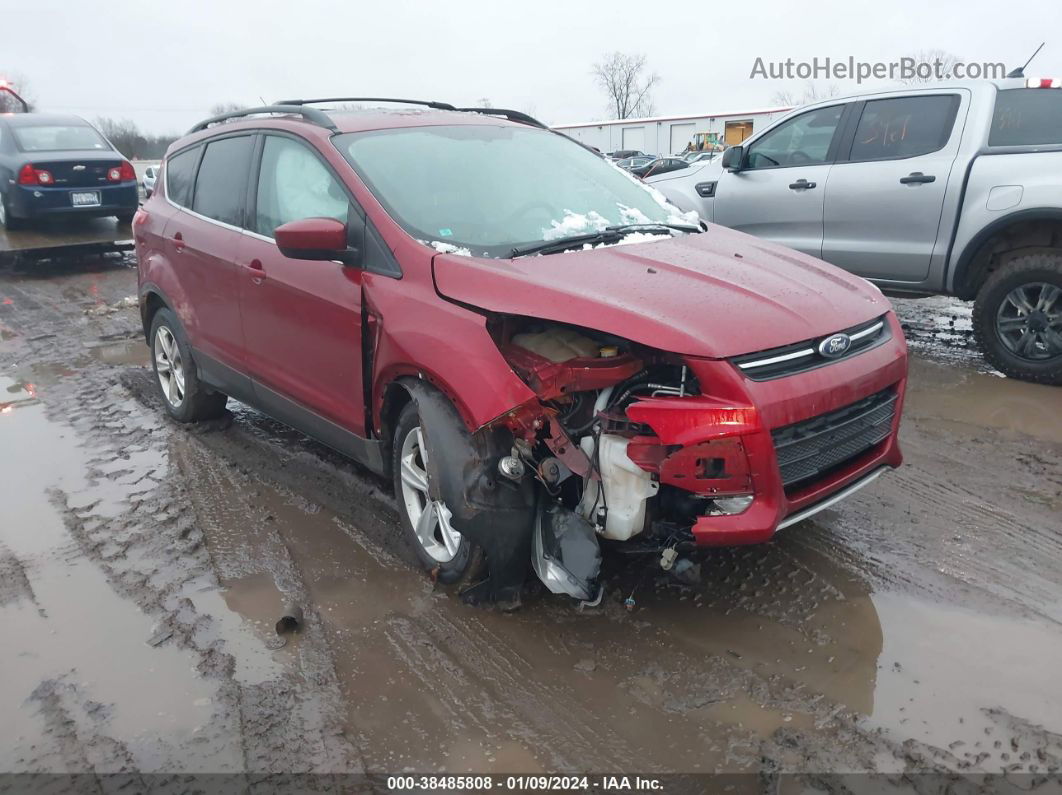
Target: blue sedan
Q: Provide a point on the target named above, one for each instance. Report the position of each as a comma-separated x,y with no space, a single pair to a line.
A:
61,166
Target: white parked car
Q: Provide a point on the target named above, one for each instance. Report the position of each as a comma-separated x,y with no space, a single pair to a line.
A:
150,175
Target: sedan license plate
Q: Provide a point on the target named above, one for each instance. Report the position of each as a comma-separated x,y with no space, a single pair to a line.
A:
86,199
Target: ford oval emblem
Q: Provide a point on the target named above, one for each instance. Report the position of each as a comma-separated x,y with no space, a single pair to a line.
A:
835,345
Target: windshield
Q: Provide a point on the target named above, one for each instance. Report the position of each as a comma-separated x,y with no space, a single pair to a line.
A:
490,189
58,137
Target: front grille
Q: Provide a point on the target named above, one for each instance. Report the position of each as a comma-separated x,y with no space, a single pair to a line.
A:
810,449
802,356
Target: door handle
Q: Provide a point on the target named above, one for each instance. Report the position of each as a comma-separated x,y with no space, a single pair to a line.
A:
254,267
178,242
801,184
916,178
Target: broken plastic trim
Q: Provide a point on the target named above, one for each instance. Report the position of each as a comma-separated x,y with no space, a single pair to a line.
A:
565,552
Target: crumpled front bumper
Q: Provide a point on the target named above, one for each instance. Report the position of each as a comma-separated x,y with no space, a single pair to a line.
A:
784,401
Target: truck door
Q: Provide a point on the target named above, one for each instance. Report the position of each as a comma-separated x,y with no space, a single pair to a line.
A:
886,191
778,193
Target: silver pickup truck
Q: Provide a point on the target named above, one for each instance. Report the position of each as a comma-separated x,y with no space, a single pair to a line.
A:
952,188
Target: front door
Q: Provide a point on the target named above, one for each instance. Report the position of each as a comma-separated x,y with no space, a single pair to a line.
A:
301,318
886,194
778,193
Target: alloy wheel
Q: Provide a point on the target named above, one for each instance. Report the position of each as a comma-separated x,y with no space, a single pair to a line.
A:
169,366
431,519
1029,321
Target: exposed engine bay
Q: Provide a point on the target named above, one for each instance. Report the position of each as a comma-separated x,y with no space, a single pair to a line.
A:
602,472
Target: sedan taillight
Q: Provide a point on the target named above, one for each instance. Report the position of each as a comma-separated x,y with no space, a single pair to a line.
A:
122,173
28,175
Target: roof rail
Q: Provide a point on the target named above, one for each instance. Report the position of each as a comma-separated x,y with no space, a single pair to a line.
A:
511,115
312,115
426,103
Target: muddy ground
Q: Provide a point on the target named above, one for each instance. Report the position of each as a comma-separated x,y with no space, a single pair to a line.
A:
915,628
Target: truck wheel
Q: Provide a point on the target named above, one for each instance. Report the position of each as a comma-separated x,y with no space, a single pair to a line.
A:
185,398
1017,318
428,522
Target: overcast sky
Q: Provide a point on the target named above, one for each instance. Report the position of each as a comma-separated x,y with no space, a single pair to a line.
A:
163,64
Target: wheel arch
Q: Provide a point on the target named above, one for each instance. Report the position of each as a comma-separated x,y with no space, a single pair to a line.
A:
1012,235
151,301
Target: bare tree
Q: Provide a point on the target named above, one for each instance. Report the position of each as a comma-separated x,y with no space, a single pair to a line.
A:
18,82
941,66
627,83
810,93
484,102
131,142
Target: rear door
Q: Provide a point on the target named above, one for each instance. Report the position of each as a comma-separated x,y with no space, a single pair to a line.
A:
886,190
301,318
202,240
778,194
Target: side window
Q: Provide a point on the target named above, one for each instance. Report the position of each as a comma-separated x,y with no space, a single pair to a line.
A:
904,127
222,182
180,171
802,141
294,184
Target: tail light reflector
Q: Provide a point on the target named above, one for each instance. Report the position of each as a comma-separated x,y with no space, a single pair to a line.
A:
28,175
122,173
1043,82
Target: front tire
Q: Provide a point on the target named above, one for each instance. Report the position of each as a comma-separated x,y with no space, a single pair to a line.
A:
427,522
185,398
1017,318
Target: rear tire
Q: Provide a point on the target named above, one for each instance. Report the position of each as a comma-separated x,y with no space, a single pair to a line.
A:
176,378
1017,318
125,218
6,219
439,546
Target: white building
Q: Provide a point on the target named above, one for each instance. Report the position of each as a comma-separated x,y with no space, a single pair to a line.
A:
664,135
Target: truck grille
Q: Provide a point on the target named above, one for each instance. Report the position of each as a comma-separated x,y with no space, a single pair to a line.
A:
809,449
802,356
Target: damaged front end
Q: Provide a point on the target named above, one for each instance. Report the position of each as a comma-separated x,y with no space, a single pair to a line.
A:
619,444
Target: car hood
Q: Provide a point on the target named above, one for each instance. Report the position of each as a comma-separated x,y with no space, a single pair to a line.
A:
717,294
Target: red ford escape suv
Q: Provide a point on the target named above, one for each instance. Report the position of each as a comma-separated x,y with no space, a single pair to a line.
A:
538,349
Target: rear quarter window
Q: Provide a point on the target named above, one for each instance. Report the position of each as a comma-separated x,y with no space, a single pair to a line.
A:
221,185
180,171
1027,117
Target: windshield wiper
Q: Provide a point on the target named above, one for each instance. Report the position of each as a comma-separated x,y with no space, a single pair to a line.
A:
610,234
565,243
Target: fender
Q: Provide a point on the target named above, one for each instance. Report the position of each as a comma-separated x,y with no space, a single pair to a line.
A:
493,512
149,290
970,250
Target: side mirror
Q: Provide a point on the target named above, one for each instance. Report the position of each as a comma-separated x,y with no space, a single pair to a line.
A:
315,239
733,157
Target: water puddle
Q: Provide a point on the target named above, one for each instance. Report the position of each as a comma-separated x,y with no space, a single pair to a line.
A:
80,657
953,394
128,352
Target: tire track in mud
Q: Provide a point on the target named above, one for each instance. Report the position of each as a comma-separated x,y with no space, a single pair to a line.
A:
132,522
965,511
